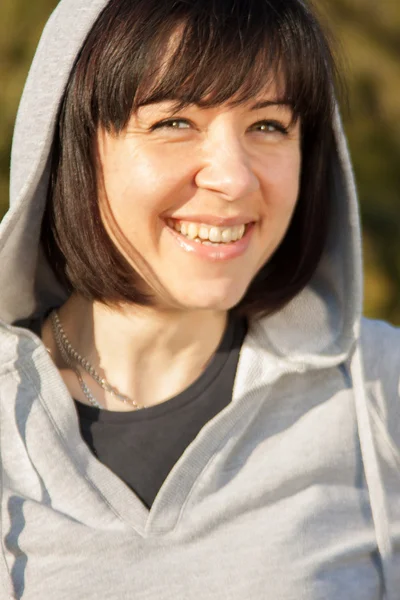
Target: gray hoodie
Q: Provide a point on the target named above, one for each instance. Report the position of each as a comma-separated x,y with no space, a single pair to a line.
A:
290,493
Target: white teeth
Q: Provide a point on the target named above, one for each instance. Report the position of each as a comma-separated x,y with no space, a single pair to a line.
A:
203,233
207,234
226,235
235,234
215,234
192,231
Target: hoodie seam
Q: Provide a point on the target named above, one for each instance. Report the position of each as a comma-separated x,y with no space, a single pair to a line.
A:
70,456
9,584
392,446
199,479
372,470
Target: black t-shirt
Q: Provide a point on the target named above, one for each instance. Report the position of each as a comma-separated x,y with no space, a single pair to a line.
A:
141,447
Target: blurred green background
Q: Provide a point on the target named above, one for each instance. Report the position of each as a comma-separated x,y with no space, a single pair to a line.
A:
368,43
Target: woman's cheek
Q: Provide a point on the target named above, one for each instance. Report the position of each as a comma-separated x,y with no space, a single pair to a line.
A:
287,176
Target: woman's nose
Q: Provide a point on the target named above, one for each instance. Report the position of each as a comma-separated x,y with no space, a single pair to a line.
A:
227,168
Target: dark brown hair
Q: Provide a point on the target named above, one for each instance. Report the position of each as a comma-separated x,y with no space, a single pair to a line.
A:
227,51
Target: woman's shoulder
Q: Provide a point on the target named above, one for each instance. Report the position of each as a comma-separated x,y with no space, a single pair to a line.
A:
380,343
380,346
17,345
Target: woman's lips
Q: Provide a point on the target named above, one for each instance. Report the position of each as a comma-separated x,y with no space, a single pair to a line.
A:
217,253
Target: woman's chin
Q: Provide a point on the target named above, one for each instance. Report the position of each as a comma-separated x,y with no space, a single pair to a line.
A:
206,298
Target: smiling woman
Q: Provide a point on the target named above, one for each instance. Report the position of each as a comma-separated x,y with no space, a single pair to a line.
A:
191,403
227,166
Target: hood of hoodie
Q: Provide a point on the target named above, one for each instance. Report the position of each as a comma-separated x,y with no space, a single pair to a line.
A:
318,327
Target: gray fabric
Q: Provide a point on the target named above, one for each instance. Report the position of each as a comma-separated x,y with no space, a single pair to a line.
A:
292,492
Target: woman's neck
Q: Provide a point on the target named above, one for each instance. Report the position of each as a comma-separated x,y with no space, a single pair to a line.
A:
150,355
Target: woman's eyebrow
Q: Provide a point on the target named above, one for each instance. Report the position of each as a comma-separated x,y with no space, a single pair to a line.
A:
266,103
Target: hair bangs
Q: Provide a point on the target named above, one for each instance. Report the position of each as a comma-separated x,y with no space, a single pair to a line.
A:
216,52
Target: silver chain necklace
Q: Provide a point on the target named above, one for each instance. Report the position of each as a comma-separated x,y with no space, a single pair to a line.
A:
72,358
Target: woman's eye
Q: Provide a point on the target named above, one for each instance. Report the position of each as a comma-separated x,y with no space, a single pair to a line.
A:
177,124
271,127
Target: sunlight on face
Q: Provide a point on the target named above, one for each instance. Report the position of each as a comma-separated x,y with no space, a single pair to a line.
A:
180,187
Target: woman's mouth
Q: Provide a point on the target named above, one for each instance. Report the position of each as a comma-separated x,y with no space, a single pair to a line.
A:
210,241
208,234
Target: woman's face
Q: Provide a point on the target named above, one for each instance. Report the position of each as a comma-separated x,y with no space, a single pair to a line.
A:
219,173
